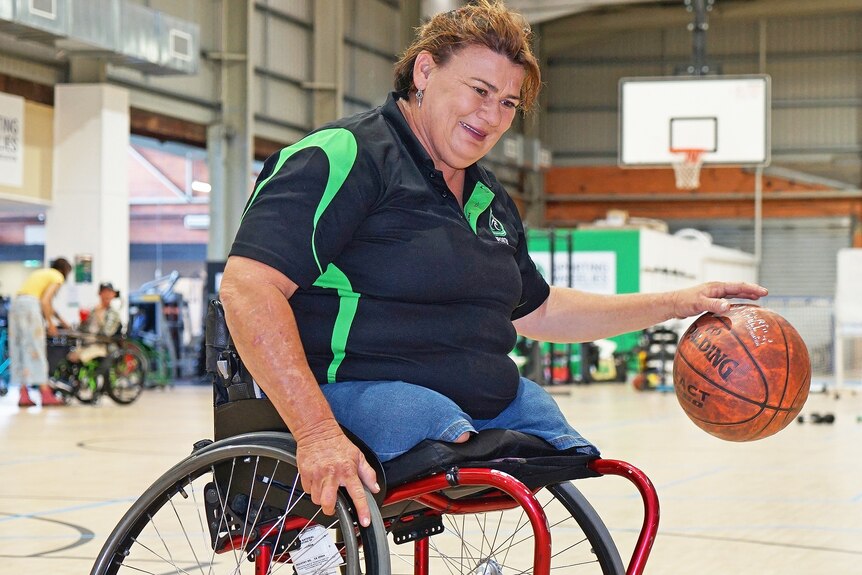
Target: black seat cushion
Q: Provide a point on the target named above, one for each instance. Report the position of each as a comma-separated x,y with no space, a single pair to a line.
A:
531,460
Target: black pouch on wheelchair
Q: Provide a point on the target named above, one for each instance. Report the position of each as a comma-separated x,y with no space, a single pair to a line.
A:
238,405
231,380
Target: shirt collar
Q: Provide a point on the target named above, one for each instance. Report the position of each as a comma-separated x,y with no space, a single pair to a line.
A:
396,119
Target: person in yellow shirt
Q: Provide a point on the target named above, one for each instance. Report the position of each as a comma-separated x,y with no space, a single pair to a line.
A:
32,318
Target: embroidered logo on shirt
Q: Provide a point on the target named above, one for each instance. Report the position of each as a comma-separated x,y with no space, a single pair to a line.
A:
497,228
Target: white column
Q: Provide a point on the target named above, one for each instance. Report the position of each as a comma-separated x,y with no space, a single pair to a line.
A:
89,215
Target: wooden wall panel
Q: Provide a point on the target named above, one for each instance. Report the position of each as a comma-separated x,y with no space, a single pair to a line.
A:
633,181
577,195
572,213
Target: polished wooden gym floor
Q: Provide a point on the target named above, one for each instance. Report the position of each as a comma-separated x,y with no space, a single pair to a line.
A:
790,504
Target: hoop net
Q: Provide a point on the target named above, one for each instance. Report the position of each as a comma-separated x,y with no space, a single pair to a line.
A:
686,167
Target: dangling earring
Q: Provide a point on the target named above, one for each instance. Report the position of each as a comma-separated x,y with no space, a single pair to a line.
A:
419,95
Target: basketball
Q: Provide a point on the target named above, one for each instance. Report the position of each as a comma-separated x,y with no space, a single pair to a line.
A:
742,375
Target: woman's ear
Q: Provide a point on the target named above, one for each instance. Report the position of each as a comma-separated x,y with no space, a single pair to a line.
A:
422,67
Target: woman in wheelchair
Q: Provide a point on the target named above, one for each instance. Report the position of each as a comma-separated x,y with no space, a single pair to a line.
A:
380,274
375,287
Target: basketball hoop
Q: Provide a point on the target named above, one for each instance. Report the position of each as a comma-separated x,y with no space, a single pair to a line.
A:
687,167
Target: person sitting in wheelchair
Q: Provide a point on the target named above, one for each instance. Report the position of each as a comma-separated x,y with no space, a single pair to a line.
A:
102,321
380,274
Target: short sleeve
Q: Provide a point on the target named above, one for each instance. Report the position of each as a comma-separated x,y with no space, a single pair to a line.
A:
305,206
534,289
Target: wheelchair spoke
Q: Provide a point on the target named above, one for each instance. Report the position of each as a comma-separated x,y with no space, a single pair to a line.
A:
235,508
186,535
502,542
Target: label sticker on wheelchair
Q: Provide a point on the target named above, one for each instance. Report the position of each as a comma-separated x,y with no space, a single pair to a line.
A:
317,553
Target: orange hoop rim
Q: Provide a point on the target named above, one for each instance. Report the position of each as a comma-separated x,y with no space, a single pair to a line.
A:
691,154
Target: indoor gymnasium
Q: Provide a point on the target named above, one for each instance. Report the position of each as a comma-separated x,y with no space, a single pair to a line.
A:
508,318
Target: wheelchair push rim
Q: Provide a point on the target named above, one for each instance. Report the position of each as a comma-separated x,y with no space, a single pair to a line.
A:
231,508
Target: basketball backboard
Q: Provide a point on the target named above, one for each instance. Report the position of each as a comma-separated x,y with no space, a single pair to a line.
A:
726,116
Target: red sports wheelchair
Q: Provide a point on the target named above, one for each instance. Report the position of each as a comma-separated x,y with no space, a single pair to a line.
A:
502,503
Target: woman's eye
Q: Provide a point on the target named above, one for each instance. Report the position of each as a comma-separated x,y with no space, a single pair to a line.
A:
481,91
509,104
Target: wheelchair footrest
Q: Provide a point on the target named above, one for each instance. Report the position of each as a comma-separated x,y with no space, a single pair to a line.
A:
416,527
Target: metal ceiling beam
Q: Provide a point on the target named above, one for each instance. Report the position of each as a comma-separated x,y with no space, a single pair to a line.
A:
564,35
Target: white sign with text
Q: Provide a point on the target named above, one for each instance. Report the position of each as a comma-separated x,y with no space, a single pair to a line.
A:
11,140
594,272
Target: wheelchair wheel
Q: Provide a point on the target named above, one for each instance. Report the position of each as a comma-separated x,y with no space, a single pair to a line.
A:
501,542
65,379
74,379
88,388
126,376
237,507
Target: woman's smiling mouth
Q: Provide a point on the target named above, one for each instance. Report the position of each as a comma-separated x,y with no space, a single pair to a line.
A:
479,135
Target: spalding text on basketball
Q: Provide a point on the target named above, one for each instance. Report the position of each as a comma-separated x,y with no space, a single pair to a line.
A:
723,364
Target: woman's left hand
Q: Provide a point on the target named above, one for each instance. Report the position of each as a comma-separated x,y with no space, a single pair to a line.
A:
711,297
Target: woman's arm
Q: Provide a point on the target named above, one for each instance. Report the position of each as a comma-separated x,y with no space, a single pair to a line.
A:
569,315
262,325
47,304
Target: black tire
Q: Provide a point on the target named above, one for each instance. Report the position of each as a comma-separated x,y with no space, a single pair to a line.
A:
502,541
601,542
126,376
236,489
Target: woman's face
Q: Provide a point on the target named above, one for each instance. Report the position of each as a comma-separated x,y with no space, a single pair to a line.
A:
468,104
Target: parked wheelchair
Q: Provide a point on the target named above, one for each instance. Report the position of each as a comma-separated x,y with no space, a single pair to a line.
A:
120,373
502,503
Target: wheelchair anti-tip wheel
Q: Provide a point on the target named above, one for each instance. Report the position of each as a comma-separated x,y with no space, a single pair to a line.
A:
236,507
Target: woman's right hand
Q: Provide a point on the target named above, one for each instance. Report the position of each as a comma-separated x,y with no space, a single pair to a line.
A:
327,460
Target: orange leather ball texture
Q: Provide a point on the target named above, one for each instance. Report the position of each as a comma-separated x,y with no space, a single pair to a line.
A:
742,375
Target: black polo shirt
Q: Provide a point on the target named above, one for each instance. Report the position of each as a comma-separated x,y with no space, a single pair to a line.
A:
396,281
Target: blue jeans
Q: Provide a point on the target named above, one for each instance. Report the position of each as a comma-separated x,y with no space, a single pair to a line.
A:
391,417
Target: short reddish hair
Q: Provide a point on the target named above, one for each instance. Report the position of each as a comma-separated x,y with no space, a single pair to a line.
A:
482,23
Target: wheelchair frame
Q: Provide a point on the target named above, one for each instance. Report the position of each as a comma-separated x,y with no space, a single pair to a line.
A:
428,492
249,432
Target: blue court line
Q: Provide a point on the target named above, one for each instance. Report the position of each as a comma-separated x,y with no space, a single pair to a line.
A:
61,510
